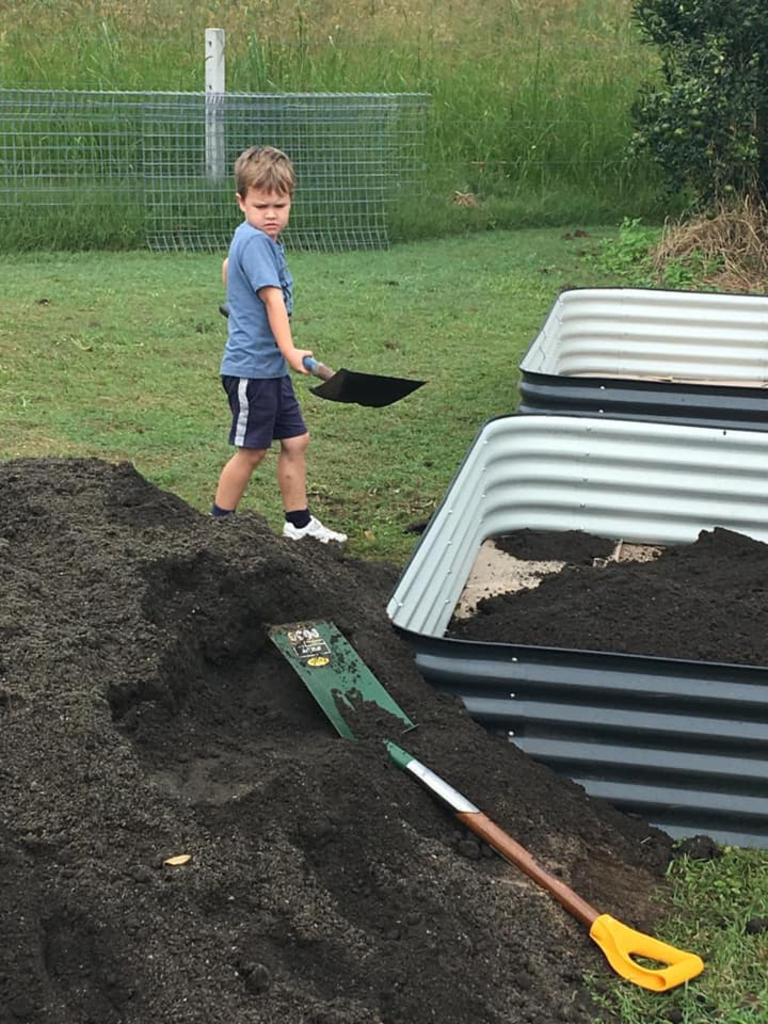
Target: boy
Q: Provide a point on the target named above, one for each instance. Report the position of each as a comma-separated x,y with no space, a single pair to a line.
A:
260,348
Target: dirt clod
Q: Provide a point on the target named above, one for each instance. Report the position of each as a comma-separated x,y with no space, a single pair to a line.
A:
697,848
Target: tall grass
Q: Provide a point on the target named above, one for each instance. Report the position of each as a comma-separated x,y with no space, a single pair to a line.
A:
530,102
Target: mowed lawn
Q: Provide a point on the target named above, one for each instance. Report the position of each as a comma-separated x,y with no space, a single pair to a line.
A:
116,356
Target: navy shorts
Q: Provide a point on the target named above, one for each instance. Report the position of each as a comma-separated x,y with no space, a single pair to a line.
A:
263,411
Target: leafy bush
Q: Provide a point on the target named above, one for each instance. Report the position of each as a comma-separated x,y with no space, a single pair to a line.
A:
706,123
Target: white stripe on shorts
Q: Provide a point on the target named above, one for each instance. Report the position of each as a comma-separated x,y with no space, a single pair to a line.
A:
242,417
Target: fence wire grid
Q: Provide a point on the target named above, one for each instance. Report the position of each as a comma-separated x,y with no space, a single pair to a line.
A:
158,166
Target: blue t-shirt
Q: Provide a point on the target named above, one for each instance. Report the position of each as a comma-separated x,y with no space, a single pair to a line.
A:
255,261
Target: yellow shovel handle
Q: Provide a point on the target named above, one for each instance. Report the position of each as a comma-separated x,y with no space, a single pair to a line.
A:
621,943
618,942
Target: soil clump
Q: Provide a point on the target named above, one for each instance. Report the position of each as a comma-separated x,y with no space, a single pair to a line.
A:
705,601
144,714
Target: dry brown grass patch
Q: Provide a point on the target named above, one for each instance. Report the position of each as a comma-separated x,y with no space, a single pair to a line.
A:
729,245
465,199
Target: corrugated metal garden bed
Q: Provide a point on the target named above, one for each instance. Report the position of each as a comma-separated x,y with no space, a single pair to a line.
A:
684,743
688,357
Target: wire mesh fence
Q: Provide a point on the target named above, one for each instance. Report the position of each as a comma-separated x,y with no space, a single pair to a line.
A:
156,168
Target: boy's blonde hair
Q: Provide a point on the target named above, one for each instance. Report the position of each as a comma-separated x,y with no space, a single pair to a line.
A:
264,168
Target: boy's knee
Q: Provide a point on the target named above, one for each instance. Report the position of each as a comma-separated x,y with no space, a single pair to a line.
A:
252,456
295,445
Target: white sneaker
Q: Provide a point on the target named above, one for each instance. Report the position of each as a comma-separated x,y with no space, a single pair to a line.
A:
315,529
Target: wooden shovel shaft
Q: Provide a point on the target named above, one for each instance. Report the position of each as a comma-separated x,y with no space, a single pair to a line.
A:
621,945
516,854
471,816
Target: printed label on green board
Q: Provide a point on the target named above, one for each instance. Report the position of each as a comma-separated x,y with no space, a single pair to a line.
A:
309,647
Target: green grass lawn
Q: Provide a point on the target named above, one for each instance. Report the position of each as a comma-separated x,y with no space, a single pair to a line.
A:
116,356
712,902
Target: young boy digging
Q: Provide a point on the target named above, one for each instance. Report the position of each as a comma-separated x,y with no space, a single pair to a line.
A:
260,348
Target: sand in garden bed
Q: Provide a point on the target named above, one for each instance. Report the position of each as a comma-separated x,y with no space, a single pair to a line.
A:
145,714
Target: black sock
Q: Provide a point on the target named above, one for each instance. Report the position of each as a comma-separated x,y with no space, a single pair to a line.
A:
299,519
221,513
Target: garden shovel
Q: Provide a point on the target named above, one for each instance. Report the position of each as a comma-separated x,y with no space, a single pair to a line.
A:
620,943
359,388
354,387
337,677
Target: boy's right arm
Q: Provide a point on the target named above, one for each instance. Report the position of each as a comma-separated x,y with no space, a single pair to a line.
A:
274,303
224,267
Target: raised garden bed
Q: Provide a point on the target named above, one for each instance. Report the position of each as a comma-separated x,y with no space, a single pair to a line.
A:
676,733
684,357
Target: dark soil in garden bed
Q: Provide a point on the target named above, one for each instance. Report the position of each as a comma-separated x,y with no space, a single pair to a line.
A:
572,546
145,714
705,601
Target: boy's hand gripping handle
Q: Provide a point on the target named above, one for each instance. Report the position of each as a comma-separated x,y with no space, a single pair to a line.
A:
317,368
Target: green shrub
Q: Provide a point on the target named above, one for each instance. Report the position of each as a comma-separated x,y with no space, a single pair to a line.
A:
706,123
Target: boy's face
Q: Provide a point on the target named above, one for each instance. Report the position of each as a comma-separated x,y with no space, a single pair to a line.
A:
267,211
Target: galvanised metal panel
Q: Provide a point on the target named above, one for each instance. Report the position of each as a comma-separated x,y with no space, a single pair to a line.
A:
646,482
683,743
692,404
633,332
688,357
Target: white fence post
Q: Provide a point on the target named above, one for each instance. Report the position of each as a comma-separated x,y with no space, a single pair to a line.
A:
215,88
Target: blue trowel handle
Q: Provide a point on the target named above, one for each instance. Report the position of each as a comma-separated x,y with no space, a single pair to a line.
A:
317,368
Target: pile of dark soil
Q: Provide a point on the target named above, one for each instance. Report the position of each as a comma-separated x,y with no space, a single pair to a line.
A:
572,546
144,714
706,601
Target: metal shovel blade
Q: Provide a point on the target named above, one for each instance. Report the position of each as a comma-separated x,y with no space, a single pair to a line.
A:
353,387
333,672
365,388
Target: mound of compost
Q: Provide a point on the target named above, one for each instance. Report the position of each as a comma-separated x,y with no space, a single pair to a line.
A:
705,601
145,716
573,546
